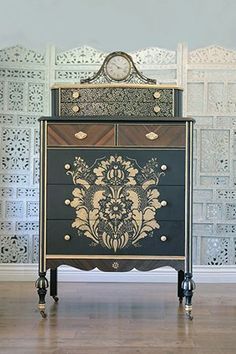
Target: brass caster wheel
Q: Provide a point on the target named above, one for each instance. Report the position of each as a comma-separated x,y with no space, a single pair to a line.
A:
43,314
55,298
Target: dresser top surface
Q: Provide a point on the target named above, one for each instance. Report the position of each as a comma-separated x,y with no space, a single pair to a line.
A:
113,85
117,119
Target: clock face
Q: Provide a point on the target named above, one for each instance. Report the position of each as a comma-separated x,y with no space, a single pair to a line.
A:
118,67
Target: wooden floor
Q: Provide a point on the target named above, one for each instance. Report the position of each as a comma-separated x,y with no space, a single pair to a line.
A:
108,318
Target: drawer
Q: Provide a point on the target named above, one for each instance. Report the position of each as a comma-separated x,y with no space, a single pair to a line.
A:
60,196
117,101
60,163
74,244
77,134
132,108
113,94
163,135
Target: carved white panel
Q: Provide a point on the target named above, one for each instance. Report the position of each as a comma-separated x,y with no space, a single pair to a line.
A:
82,55
216,98
154,55
15,96
14,249
215,147
15,149
216,251
231,97
195,98
24,97
36,98
212,55
20,55
1,94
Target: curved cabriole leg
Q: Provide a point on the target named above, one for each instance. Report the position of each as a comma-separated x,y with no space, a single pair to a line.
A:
42,285
188,287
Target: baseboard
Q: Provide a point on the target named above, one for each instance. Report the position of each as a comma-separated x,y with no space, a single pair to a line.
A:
202,274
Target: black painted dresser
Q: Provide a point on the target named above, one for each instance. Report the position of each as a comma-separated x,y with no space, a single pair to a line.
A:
116,183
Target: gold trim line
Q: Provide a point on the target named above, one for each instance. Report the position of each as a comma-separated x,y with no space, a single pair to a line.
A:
102,257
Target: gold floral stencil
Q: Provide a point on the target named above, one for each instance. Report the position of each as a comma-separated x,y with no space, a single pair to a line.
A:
115,200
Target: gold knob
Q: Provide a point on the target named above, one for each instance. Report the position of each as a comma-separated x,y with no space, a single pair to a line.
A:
67,202
156,109
67,237
163,203
163,167
81,135
75,109
163,238
75,94
157,94
67,166
152,136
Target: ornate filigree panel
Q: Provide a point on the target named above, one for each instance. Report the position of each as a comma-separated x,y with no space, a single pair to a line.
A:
24,97
211,90
1,94
20,55
14,249
217,251
217,142
212,55
15,149
16,96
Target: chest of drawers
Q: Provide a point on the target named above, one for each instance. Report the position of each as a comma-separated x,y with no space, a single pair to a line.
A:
116,194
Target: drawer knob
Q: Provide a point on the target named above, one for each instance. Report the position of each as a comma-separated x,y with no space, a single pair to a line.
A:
163,167
81,135
163,203
156,109
157,94
67,237
67,202
163,238
75,109
75,94
152,136
67,166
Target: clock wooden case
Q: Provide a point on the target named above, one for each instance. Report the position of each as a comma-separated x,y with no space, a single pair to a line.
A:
116,189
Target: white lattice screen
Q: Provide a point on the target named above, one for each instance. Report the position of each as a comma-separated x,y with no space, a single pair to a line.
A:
208,77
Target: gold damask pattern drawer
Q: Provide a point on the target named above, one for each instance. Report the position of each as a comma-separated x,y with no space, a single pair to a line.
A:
117,101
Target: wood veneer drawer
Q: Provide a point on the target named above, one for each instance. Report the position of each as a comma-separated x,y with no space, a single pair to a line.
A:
161,135
77,134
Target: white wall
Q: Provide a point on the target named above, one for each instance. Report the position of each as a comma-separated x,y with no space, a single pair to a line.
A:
117,24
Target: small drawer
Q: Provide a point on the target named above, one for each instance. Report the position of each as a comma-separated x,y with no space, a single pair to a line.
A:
163,135
81,134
